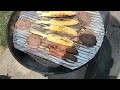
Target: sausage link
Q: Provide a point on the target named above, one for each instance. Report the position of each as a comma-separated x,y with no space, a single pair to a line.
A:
62,55
65,49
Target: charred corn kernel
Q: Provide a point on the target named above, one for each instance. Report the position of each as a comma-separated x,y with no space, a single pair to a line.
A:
64,30
58,13
60,22
60,40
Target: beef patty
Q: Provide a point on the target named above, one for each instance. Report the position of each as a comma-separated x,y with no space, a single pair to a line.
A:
88,39
84,19
33,41
23,24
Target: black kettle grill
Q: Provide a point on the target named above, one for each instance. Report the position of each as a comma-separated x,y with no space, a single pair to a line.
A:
29,62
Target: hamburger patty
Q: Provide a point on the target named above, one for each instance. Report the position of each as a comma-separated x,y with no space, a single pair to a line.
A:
23,24
33,41
88,39
84,19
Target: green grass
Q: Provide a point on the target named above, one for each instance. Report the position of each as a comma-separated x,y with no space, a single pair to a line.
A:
4,18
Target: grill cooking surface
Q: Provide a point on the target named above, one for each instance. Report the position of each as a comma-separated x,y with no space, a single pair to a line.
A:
85,53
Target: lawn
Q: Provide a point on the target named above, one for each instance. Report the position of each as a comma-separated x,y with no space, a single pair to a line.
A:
4,18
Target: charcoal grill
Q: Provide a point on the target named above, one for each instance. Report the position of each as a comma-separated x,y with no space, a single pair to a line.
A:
30,61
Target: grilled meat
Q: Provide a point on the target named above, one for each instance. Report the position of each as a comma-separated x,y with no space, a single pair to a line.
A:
63,48
23,24
33,41
88,39
62,55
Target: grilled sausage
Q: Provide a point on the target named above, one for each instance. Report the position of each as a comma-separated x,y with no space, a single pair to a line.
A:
62,55
56,53
65,48
70,57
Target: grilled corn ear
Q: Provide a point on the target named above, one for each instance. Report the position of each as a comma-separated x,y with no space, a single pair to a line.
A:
57,13
60,40
63,29
61,22
34,31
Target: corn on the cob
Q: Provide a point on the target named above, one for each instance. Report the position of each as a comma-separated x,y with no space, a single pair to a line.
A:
63,29
61,22
54,38
60,40
57,13
38,33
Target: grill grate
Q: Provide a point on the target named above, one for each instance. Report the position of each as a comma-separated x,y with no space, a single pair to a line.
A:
85,53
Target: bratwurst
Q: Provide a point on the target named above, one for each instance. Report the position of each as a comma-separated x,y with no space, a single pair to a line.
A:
63,48
62,55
